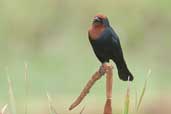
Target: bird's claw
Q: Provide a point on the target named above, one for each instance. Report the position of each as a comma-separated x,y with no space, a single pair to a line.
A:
101,70
104,68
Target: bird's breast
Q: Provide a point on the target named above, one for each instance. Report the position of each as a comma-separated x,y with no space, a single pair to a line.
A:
95,31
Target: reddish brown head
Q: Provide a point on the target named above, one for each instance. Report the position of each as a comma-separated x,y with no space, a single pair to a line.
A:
100,19
101,16
100,22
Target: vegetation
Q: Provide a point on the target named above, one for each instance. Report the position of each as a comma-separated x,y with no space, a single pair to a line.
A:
52,109
51,37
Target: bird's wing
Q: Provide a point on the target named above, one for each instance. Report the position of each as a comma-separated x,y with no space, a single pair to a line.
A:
97,44
118,58
117,49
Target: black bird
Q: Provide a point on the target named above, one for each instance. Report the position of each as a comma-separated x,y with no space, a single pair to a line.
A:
106,45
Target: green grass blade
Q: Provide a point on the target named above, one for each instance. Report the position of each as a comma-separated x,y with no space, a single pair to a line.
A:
136,99
26,77
127,99
143,91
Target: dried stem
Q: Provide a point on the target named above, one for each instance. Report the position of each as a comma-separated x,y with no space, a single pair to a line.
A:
52,109
109,82
26,88
4,109
11,94
96,76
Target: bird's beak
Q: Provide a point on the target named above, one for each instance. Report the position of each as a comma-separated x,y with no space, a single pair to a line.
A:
96,19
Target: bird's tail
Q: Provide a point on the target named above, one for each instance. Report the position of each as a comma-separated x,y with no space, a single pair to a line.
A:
123,72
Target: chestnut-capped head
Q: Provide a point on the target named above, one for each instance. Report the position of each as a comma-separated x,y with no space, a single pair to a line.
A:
100,19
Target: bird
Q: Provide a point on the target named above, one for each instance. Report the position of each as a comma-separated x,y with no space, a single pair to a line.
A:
106,45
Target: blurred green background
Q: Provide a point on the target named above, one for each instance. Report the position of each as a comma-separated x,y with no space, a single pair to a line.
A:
51,37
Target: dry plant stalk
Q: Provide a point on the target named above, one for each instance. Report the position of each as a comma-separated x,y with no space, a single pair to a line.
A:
26,77
52,109
127,99
11,94
82,110
3,109
109,80
108,106
96,76
109,83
